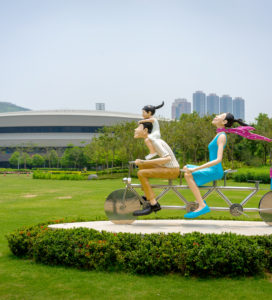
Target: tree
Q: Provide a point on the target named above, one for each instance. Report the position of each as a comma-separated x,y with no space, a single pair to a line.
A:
92,152
15,159
25,159
74,156
37,160
53,158
188,137
264,127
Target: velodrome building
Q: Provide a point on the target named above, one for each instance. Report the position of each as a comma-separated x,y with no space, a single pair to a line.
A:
56,128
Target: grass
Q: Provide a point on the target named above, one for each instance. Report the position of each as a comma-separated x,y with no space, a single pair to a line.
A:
25,201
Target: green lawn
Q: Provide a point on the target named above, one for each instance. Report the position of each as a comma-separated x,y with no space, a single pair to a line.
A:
25,201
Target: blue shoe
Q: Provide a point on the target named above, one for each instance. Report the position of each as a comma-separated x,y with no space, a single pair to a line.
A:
192,214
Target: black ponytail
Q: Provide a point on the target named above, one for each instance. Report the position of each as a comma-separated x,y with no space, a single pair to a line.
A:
159,106
230,120
152,109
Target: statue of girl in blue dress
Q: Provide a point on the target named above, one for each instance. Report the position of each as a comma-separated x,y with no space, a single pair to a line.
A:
212,170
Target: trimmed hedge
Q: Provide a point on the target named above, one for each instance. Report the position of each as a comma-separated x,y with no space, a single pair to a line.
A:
193,254
14,171
112,171
77,176
59,176
54,169
244,175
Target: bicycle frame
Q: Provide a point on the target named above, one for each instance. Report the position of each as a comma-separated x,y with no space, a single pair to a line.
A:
211,189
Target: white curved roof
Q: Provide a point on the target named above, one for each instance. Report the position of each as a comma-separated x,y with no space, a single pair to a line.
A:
55,118
100,113
65,118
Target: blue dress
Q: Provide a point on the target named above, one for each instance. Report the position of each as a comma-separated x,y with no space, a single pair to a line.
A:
212,173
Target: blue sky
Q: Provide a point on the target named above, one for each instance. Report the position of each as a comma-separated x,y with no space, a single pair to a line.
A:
65,54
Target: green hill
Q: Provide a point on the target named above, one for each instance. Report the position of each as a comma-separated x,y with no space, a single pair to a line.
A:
9,107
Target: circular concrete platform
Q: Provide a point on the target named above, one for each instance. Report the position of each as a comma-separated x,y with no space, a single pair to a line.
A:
178,226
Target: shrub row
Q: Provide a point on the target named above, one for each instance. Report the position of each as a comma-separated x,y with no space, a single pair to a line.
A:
61,176
245,175
80,176
37,169
111,176
54,169
72,172
192,254
14,171
112,171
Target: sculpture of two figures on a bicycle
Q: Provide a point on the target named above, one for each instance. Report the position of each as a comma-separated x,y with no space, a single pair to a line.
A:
123,206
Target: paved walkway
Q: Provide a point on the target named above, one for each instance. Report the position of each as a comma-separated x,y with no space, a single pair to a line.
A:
179,226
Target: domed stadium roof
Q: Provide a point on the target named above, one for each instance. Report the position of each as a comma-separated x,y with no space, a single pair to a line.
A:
56,128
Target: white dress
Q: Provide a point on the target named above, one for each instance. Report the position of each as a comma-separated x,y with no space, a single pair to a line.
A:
155,134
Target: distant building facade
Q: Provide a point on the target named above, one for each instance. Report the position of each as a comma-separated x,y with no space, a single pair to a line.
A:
199,103
54,129
100,106
212,104
226,104
179,107
239,108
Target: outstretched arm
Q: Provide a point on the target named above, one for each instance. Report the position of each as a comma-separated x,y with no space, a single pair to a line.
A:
220,142
150,120
153,162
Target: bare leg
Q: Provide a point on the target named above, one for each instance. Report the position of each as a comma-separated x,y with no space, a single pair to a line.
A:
195,190
150,146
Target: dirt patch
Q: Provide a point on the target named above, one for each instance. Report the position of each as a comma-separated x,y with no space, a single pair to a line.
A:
269,277
65,197
29,196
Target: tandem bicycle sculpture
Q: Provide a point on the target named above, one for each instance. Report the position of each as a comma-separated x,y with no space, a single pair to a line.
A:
120,204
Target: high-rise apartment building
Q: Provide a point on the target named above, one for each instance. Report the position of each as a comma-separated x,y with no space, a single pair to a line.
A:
179,107
226,104
212,104
100,106
239,108
199,103
208,105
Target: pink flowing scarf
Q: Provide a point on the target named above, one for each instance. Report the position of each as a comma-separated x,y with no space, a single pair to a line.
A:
245,132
